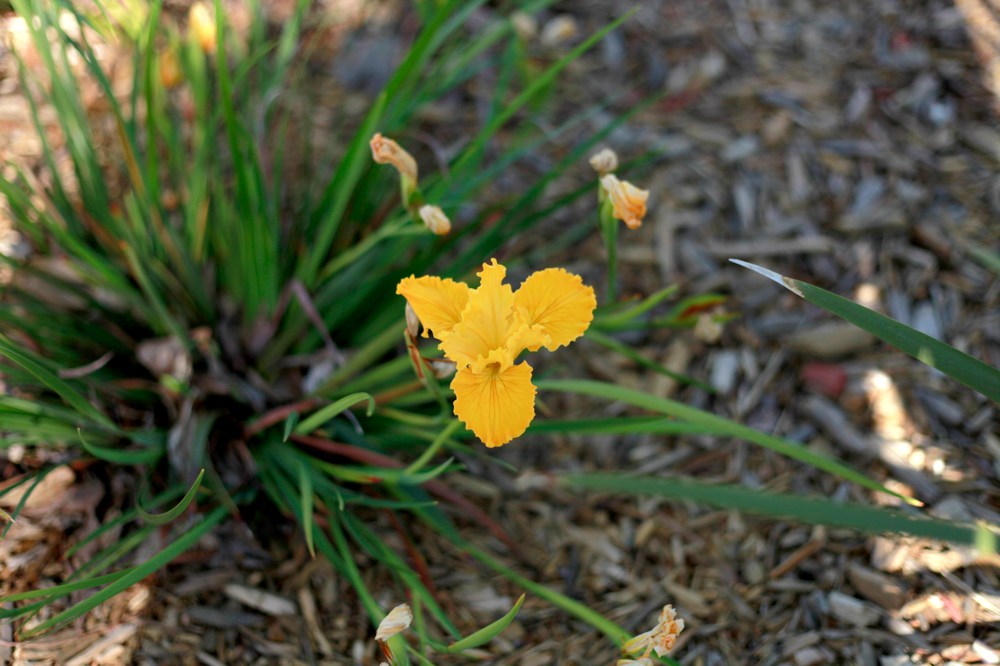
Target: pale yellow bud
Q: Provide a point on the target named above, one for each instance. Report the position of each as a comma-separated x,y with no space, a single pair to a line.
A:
604,161
387,151
398,619
627,200
435,219
202,27
525,25
559,30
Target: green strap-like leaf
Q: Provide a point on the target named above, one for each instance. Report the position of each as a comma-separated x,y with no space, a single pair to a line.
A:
171,514
33,366
489,632
958,365
333,409
807,509
132,576
144,456
719,426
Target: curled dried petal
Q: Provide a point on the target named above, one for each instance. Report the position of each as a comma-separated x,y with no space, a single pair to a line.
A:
398,619
387,151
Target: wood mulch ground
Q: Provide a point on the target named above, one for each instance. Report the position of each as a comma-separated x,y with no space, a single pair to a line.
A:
854,145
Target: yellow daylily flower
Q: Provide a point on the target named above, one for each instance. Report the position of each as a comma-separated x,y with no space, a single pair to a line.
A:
484,330
628,201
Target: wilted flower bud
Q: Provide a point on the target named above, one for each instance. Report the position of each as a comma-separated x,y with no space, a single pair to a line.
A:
412,322
660,639
398,619
435,219
604,161
170,70
627,200
202,27
387,151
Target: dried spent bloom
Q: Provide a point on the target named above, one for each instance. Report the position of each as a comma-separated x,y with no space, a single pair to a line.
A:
387,151
202,27
398,619
660,639
641,661
604,161
627,200
484,330
435,219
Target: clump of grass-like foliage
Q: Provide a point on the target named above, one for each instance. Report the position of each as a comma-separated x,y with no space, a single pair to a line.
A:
229,334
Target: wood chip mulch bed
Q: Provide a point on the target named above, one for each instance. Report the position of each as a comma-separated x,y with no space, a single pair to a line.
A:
854,145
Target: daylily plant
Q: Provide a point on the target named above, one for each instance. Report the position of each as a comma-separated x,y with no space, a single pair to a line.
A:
484,330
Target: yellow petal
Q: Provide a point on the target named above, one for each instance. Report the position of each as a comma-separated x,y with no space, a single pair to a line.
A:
559,303
627,200
487,324
438,302
495,404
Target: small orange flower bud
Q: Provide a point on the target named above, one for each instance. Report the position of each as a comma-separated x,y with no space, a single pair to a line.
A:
627,200
170,70
435,219
202,27
604,161
387,151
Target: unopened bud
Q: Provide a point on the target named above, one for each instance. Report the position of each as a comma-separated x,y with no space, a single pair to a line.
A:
435,219
412,322
202,27
398,619
525,25
604,161
559,30
170,70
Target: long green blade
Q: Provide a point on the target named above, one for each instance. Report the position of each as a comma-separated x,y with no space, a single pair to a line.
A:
135,574
958,365
807,509
719,425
